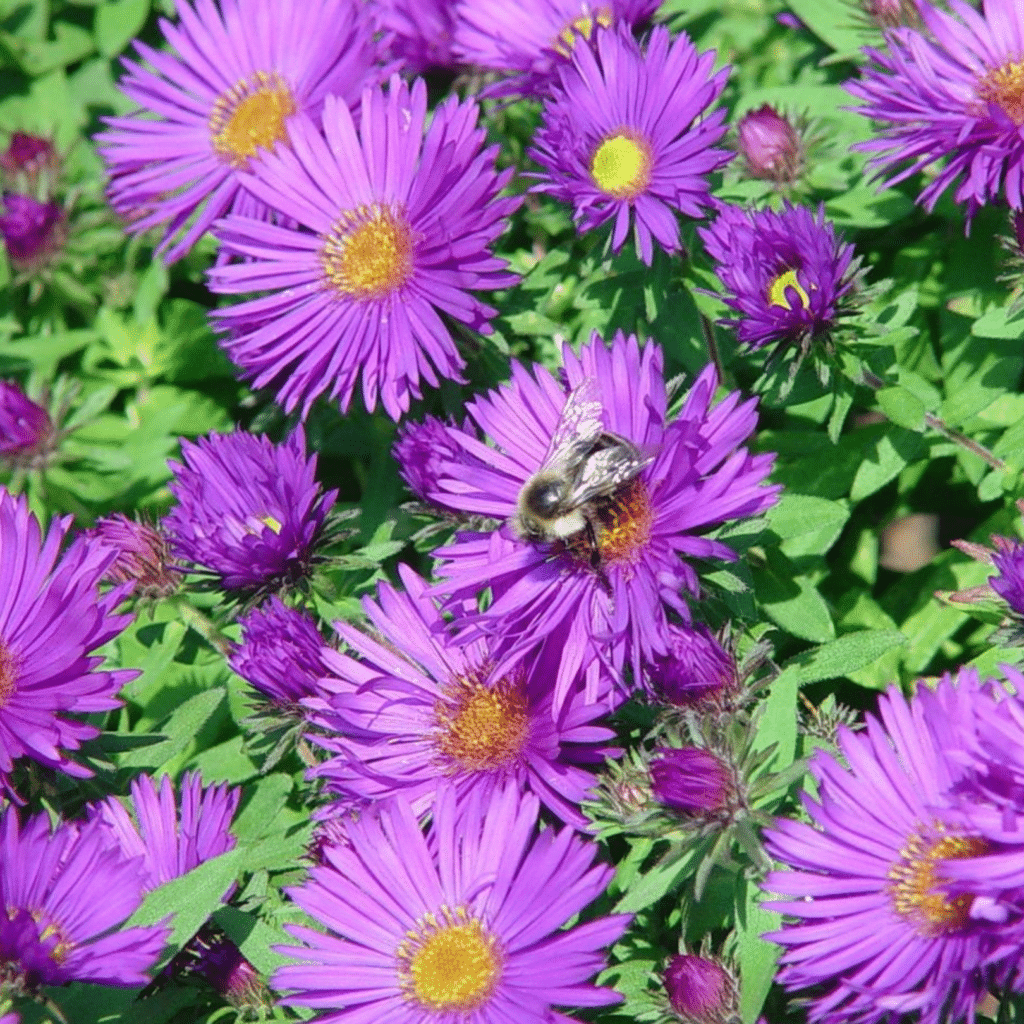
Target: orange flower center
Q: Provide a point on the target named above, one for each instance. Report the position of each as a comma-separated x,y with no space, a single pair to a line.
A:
451,964
482,727
916,888
1004,86
251,116
369,252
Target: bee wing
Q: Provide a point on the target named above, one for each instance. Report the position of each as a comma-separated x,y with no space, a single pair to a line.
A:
578,428
608,469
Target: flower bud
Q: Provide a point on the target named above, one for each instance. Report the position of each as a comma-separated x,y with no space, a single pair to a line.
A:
143,555
26,158
770,145
696,669
691,781
32,231
700,990
893,13
26,430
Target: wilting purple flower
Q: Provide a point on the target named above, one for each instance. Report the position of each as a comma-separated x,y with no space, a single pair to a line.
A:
420,32
692,781
52,617
605,600
248,511
64,894
280,653
625,136
770,145
142,555
695,667
1009,563
171,835
874,925
418,705
393,228
700,990
785,273
462,925
229,94
32,230
951,90
26,431
530,41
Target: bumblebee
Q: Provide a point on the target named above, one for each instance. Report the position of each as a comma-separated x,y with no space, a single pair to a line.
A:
584,464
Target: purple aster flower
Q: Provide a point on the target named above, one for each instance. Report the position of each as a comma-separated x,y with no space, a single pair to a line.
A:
770,144
171,835
51,617
393,225
601,585
64,894
465,924
1009,563
874,925
418,705
27,434
420,450
530,41
700,990
248,511
625,136
952,90
420,32
229,93
142,555
32,230
692,781
694,669
280,653
786,273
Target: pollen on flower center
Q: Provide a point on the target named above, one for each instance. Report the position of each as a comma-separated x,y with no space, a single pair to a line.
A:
62,946
482,727
777,290
1004,86
8,673
580,28
251,116
449,965
621,165
626,519
916,889
369,252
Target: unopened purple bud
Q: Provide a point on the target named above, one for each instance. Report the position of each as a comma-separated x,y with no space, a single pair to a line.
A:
700,990
28,156
419,449
770,145
1009,563
691,780
893,13
143,555
32,230
697,668
222,964
26,430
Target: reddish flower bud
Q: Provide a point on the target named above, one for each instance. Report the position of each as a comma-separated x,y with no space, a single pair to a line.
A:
143,555
893,13
691,780
27,157
771,145
700,990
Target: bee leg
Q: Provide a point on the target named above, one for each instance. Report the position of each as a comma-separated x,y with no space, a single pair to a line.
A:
595,557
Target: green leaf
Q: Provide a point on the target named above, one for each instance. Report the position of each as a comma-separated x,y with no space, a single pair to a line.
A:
839,658
180,730
117,21
884,460
791,600
902,407
807,525
660,879
757,957
777,724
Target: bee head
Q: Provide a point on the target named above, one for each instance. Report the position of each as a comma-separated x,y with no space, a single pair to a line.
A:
543,496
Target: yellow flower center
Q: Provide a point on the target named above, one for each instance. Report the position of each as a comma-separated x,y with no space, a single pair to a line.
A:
621,165
916,882
581,28
251,116
8,673
1004,86
369,252
777,290
449,965
480,727
626,519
